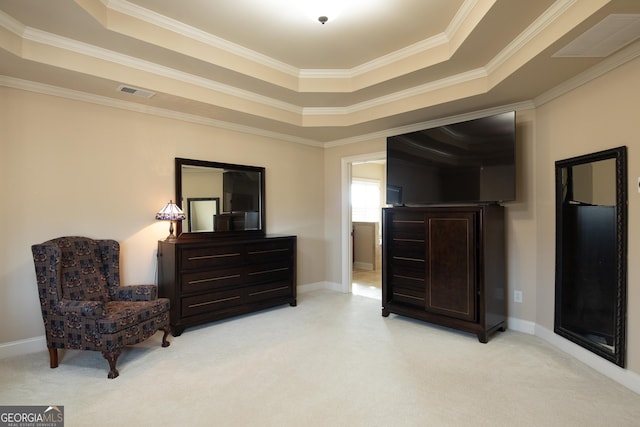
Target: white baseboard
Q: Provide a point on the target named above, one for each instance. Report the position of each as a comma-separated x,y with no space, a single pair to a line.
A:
20,347
367,266
627,378
520,325
331,286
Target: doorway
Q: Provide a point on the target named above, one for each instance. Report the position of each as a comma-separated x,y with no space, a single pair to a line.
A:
364,181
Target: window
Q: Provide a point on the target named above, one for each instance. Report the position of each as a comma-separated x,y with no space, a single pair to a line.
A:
365,200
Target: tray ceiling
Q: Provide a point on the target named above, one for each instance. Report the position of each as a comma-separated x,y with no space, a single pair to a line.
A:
381,67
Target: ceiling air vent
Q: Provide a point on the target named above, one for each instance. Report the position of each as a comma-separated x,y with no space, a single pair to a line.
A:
135,91
609,35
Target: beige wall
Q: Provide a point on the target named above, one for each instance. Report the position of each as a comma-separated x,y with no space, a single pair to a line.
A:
68,167
520,216
600,115
73,168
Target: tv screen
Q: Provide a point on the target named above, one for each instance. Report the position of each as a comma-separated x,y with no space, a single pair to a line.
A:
466,162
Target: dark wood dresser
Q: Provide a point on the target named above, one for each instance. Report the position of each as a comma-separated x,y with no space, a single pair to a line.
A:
446,265
212,279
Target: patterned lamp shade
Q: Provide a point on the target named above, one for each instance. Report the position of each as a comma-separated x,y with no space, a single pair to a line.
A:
170,212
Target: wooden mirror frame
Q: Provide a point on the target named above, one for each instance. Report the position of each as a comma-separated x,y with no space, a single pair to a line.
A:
618,352
179,162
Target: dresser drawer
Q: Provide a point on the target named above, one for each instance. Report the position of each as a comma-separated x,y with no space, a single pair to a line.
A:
269,272
209,302
268,251
268,291
210,279
211,256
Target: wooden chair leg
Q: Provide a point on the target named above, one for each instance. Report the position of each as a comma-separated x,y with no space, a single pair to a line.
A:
53,357
166,330
112,358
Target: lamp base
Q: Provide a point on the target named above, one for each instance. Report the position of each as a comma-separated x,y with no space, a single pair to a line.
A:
171,236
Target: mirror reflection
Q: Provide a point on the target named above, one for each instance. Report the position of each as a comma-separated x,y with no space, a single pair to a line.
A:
591,252
201,213
219,197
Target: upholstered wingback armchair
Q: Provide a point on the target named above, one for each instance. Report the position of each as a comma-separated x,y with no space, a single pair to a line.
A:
83,305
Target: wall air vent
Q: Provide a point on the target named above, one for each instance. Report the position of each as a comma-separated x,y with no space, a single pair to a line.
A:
135,91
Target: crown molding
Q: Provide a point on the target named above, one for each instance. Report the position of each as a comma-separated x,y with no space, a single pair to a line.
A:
188,31
444,83
538,26
614,61
104,101
60,42
526,105
82,48
11,24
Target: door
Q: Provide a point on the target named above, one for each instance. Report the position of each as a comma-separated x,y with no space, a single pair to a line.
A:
451,264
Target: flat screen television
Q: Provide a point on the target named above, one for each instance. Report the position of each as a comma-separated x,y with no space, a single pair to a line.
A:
470,162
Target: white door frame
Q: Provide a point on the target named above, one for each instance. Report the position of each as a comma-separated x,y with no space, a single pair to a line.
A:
346,246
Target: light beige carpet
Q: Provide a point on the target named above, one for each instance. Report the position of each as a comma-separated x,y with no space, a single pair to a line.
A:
331,361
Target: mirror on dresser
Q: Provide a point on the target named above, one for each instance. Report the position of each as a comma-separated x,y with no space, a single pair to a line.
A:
591,252
219,199
223,264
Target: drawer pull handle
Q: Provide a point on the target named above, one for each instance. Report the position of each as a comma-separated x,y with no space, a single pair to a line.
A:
196,258
268,290
409,278
269,271
212,279
268,251
213,302
406,221
409,240
408,296
402,258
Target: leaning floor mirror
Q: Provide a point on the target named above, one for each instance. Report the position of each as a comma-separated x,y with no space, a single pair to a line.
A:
591,252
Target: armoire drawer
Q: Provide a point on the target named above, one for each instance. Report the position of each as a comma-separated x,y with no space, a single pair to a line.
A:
410,296
409,224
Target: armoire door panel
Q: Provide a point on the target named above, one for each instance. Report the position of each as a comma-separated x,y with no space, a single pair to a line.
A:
451,278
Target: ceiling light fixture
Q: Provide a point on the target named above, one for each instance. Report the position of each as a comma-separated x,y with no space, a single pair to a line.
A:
321,10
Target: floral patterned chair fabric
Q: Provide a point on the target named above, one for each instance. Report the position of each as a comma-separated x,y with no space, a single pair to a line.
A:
83,305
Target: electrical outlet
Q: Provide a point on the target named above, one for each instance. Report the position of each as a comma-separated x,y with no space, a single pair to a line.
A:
517,296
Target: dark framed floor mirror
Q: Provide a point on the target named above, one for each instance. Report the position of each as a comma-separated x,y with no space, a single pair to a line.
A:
591,252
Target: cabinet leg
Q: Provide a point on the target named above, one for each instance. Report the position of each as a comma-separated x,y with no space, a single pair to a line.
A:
176,331
293,303
385,313
482,337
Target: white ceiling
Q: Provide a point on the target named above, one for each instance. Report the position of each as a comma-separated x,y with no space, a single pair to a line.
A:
262,66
